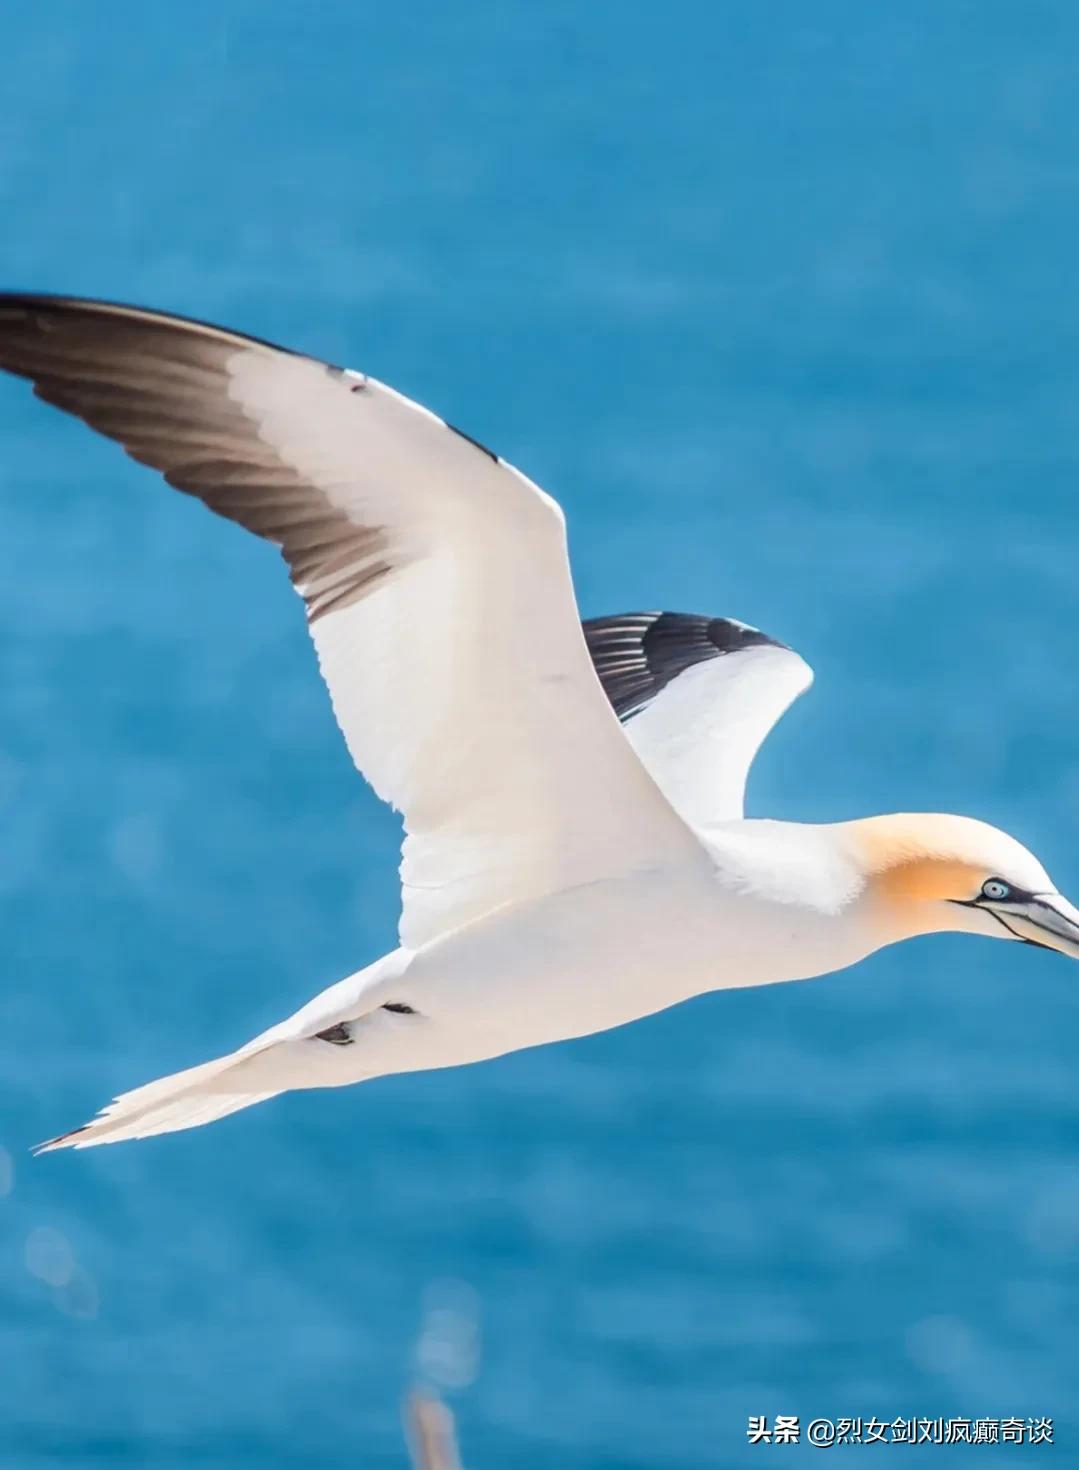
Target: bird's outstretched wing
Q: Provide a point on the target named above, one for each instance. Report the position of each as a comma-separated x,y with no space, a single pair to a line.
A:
696,696
437,588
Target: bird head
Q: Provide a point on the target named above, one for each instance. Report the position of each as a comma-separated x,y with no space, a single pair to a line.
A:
928,873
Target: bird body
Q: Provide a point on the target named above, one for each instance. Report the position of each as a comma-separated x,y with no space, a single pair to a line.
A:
569,964
575,854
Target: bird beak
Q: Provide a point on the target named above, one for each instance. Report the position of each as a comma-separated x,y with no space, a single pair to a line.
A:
1046,919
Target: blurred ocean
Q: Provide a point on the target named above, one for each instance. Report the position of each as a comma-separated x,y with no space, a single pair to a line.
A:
781,302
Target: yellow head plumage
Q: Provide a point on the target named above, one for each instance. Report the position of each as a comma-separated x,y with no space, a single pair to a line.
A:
916,860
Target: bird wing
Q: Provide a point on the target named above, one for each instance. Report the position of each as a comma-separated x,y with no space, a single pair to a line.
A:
436,582
696,697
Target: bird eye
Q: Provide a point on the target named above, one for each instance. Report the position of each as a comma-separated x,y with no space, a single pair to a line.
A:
995,888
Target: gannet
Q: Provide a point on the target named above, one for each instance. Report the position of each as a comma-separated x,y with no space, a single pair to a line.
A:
575,853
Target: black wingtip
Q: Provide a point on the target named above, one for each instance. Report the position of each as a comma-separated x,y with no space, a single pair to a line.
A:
19,305
636,655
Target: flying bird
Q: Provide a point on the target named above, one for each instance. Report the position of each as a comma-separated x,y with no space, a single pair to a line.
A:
575,853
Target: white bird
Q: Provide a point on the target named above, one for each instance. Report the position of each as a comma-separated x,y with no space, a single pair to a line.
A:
562,873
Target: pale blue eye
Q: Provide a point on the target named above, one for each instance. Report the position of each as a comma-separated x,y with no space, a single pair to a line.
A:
996,889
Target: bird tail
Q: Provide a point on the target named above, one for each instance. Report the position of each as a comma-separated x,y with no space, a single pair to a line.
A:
300,1052
184,1100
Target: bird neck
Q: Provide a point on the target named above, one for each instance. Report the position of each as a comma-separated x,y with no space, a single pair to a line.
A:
797,898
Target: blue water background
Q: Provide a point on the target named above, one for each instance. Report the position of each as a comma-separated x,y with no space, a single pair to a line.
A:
780,300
